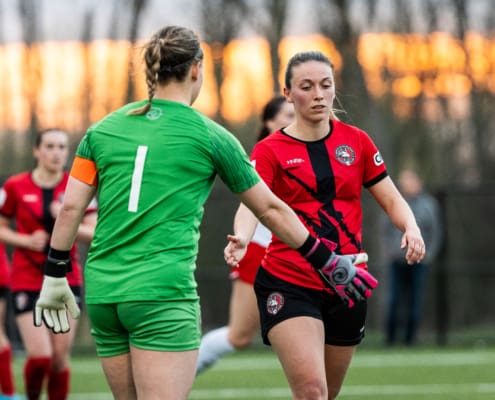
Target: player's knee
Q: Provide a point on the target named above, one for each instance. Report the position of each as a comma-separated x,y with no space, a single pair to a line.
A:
311,389
240,341
60,362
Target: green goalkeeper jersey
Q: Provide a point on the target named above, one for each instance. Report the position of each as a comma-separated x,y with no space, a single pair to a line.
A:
155,173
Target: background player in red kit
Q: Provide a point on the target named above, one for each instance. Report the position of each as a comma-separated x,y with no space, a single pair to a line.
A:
318,166
32,200
243,313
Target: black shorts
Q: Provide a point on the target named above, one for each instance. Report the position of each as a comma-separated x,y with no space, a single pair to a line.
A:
4,292
24,300
279,300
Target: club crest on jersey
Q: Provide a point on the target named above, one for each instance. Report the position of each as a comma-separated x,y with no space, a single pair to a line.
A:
274,303
345,154
154,113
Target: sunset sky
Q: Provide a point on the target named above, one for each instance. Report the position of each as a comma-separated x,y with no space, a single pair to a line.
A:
451,69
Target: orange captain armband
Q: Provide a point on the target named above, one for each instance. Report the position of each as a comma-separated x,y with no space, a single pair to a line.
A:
84,170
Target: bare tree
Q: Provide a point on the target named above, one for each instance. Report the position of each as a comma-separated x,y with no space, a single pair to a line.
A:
3,91
115,19
137,8
28,11
335,23
272,29
222,22
481,120
88,21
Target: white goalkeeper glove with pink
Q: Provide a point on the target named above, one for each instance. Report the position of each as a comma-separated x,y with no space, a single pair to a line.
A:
56,297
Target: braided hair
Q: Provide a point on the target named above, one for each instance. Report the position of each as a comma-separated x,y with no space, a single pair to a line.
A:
168,55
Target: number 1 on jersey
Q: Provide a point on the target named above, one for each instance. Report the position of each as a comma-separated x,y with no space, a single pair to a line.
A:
137,177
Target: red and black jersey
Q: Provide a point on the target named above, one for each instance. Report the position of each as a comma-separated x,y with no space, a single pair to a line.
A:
22,200
322,182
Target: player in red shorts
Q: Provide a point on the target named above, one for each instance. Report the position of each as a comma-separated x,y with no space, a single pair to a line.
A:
32,200
318,166
7,383
243,315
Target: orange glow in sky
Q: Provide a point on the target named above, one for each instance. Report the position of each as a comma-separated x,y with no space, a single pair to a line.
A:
71,84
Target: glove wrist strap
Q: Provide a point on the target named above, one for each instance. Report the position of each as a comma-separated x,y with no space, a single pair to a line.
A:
57,263
315,251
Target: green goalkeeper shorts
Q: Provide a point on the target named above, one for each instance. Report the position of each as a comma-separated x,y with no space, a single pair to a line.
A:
148,325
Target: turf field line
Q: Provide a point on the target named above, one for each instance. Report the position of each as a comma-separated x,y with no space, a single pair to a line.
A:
349,391
269,362
370,361
356,391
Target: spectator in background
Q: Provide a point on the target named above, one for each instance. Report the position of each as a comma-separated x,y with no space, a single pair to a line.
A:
406,282
244,320
32,200
7,383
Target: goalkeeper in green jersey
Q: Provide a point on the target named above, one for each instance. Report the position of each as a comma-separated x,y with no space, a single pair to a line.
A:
153,164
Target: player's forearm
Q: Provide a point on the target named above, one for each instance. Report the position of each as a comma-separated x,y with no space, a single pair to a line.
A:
275,215
86,229
245,223
283,221
77,197
12,238
66,228
402,216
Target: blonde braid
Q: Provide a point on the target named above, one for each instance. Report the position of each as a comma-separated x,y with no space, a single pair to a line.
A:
152,58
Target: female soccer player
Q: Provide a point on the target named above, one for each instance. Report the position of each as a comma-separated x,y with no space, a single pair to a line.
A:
32,200
243,315
154,163
317,165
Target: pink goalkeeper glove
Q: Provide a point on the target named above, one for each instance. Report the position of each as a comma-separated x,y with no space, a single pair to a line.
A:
351,284
338,272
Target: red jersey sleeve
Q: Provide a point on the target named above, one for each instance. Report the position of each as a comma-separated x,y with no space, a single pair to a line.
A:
374,169
7,199
263,162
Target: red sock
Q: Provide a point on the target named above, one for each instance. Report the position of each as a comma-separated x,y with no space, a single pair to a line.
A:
6,375
58,385
35,371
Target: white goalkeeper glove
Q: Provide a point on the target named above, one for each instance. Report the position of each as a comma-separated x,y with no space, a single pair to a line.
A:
56,297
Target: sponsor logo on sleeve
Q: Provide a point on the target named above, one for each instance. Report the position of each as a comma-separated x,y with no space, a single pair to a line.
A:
377,159
3,197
